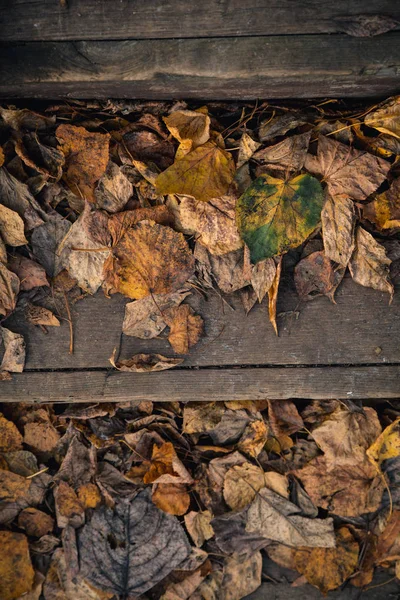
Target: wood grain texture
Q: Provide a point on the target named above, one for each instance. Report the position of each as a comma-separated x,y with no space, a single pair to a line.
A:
40,20
324,334
205,385
226,68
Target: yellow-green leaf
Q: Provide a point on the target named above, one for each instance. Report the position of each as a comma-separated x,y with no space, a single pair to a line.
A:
274,215
204,173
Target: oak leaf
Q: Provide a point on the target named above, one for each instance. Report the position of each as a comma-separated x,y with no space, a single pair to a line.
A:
86,156
347,170
384,210
369,265
16,571
186,328
145,363
204,173
149,259
338,222
328,568
275,215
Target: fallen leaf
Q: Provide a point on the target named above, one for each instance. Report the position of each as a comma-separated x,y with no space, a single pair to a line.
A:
138,543
16,571
16,196
69,510
186,328
120,223
347,170
227,270
10,437
86,156
314,276
147,146
384,210
328,568
386,117
288,155
165,466
241,484
345,436
247,147
14,354
145,363
29,272
345,490
35,522
280,125
253,438
44,159
199,526
41,436
149,259
191,128
22,462
145,318
113,189
11,227
9,289
37,587
366,25
386,446
369,265
213,223
338,222
263,277
39,315
284,418
241,576
46,240
274,215
276,518
273,296
204,173
172,498
89,495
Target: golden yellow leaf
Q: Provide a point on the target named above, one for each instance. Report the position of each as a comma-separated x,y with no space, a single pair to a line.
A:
386,118
89,495
172,498
10,437
86,154
191,128
16,571
369,265
328,568
204,173
241,484
387,445
186,328
253,439
384,210
149,259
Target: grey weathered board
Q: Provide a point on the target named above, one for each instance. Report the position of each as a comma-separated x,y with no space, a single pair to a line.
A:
350,350
41,20
303,66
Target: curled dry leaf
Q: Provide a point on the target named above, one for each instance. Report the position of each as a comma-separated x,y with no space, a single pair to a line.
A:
213,223
113,189
284,418
278,519
10,437
280,125
186,328
204,173
149,259
46,160
11,227
138,544
288,155
145,363
369,265
9,289
338,222
46,240
199,526
14,354
16,196
314,276
386,446
328,568
16,571
262,277
384,210
38,315
241,576
273,295
347,170
145,318
386,117
275,215
86,155
247,147
191,128
29,272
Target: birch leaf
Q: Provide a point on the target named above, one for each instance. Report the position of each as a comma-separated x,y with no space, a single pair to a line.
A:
369,265
275,215
204,173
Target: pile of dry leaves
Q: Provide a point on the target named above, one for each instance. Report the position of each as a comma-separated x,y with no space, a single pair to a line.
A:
175,502
158,200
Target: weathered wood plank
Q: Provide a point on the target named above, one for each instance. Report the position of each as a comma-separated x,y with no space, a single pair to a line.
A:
324,334
205,384
40,20
230,68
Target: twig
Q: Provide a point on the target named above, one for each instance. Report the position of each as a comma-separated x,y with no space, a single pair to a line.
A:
71,329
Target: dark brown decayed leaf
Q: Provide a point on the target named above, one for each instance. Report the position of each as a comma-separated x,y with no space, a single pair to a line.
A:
29,272
284,418
139,545
315,276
